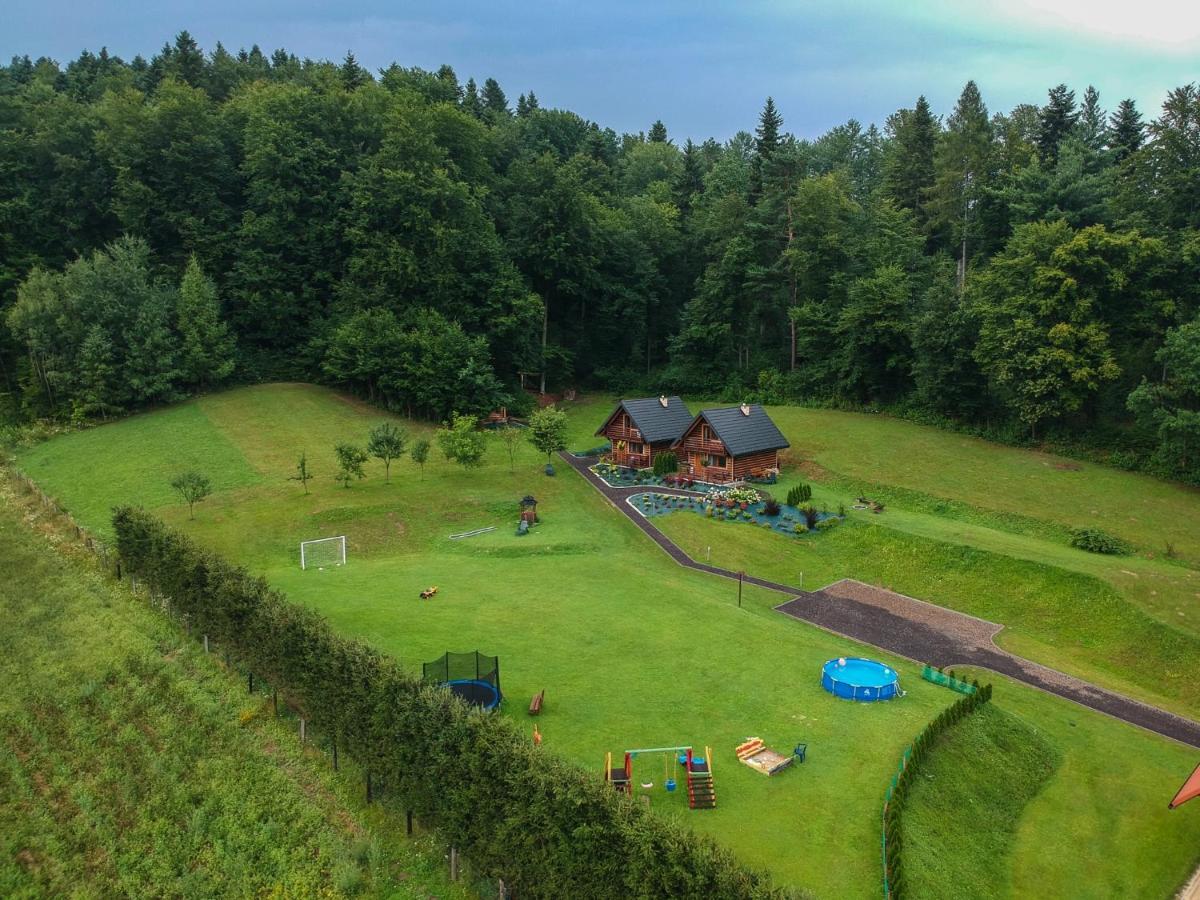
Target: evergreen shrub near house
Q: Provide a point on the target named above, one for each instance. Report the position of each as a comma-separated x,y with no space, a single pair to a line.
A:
799,495
665,463
549,829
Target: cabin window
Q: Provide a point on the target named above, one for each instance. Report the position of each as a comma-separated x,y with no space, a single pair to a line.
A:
705,433
712,461
635,449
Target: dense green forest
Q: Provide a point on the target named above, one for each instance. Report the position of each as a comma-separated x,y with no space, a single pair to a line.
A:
172,223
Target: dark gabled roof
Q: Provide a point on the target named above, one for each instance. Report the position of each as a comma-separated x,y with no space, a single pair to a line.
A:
655,421
742,434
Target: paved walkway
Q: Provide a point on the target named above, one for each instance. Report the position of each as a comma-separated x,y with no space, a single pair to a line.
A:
908,627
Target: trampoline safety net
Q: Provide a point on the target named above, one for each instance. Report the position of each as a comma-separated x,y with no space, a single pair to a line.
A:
467,674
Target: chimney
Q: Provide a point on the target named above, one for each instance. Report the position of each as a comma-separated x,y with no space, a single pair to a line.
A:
745,409
662,401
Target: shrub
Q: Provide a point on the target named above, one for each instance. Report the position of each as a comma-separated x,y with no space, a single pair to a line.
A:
800,528
826,523
665,463
1093,540
811,516
771,506
801,493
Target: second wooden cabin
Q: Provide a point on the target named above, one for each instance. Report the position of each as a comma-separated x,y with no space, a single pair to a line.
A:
730,444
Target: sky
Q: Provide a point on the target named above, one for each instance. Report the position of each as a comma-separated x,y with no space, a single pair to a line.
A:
703,68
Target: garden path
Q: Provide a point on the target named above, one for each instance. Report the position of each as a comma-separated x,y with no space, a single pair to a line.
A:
920,631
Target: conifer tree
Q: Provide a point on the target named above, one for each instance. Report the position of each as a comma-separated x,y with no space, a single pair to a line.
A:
962,169
908,165
494,100
353,75
1058,117
658,133
185,61
690,181
471,102
1126,130
1092,126
206,351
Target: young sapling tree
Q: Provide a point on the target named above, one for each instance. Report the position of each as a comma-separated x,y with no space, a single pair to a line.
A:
350,459
512,439
462,442
548,431
193,487
387,442
303,473
420,453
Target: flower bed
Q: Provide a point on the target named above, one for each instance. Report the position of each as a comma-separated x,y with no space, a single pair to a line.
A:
622,476
733,506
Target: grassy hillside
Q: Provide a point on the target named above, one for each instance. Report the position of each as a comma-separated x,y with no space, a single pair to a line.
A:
124,769
633,651
968,803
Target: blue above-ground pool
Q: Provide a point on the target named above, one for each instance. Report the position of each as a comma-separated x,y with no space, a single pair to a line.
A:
855,678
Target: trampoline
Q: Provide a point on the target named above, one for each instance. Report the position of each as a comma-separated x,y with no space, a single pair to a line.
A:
473,677
860,679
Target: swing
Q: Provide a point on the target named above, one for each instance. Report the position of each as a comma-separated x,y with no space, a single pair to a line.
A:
668,781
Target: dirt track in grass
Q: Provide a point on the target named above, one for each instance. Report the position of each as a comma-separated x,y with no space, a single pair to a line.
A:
909,627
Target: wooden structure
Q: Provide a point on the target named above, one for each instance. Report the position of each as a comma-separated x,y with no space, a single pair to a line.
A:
761,758
639,430
621,779
730,444
701,792
535,705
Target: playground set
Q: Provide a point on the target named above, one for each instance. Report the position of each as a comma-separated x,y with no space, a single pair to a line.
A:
697,770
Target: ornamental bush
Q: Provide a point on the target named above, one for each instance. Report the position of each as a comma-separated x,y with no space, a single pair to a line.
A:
1093,540
665,463
548,828
801,493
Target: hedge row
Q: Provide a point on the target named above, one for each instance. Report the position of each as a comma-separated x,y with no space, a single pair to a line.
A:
547,828
897,794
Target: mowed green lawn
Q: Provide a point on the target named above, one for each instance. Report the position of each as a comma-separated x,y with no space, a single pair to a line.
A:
633,651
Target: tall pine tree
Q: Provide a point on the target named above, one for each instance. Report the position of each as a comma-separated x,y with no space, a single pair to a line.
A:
1058,117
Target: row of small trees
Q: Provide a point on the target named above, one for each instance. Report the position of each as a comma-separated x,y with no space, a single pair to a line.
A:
910,764
546,827
459,439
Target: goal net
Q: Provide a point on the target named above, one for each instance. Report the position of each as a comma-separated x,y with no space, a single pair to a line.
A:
323,552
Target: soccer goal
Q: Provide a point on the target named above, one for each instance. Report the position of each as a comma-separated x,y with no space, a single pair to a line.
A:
323,552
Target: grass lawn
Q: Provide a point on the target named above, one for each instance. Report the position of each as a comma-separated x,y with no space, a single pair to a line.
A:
125,771
633,651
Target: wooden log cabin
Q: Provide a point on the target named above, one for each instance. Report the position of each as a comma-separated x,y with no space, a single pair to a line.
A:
639,430
730,444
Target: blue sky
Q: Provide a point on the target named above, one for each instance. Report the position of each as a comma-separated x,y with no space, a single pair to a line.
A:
703,68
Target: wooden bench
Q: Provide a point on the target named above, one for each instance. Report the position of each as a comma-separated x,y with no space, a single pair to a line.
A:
425,595
535,705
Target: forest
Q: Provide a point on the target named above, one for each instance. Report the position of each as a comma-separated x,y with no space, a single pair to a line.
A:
171,224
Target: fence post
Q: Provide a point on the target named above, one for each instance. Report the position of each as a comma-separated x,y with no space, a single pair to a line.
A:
206,643
369,797
335,759
453,864
302,731
408,822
